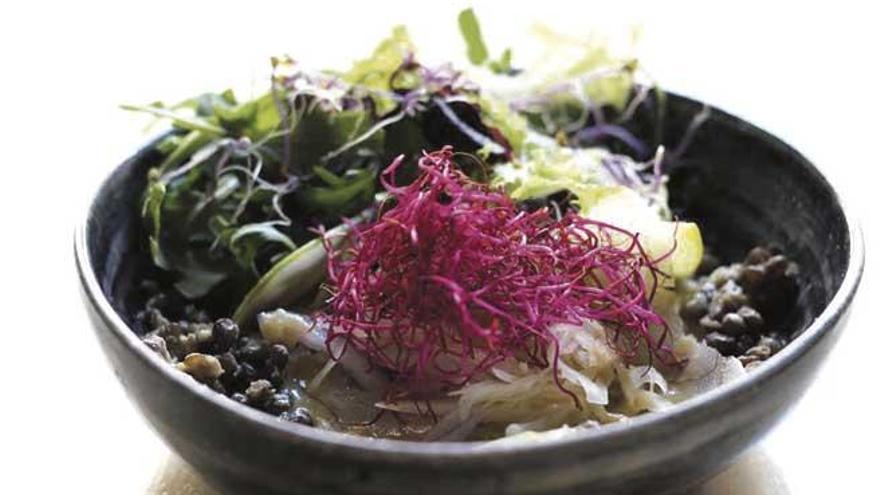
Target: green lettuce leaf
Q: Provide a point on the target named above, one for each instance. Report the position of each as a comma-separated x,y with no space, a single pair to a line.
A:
374,72
498,114
473,38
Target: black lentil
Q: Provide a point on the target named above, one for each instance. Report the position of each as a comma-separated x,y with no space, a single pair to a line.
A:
733,324
724,343
758,255
751,317
299,415
708,323
274,376
259,392
751,276
774,341
254,351
225,333
744,342
244,368
228,362
696,307
735,304
279,403
244,375
775,266
157,345
278,356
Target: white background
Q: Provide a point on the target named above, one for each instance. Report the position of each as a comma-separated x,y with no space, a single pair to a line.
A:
809,74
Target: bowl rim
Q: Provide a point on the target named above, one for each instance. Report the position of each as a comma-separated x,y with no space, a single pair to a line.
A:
469,452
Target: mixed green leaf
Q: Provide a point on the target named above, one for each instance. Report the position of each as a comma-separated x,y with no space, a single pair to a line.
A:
243,184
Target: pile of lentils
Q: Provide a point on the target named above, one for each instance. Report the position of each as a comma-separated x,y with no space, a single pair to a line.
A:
244,368
740,308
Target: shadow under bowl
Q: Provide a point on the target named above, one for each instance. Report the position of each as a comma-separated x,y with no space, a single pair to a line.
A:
742,185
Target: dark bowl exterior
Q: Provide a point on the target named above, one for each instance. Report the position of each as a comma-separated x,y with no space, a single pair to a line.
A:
736,178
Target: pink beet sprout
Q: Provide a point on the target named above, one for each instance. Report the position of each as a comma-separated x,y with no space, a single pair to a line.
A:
454,278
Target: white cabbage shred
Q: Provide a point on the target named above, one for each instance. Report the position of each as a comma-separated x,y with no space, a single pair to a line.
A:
528,399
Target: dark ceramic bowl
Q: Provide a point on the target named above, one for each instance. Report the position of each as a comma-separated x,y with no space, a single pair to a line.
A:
741,184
